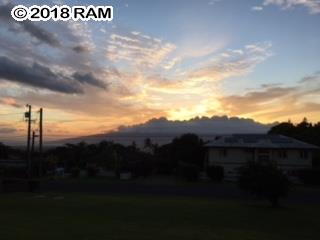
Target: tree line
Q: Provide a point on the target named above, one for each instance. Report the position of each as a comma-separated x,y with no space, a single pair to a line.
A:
184,151
184,154
304,131
183,157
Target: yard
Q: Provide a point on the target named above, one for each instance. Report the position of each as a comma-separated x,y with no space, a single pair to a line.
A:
84,216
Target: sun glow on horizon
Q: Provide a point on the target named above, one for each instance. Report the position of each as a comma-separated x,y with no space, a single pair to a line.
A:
94,77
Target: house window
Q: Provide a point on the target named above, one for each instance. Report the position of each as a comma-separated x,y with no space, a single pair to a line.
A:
264,158
249,153
263,155
223,153
263,151
304,154
283,154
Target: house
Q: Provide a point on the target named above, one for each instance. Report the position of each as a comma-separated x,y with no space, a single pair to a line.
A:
232,151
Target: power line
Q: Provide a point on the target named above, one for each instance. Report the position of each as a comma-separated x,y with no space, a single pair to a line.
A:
47,135
12,137
6,123
9,114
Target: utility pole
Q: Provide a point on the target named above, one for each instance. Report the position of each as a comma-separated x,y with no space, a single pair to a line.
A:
40,141
32,143
28,116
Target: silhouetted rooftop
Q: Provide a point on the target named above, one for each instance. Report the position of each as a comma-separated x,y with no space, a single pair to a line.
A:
259,141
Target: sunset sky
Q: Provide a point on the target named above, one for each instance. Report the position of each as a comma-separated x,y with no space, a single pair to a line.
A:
177,59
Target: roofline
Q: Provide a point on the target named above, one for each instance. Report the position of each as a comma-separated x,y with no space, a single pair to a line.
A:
309,145
292,148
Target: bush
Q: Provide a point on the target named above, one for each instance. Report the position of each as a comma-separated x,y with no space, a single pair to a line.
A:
215,173
75,172
143,168
14,172
309,176
92,171
189,172
264,180
33,186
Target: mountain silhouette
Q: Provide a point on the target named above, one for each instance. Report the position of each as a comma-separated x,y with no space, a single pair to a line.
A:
162,130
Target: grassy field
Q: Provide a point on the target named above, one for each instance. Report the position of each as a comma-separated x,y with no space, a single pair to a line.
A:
72,216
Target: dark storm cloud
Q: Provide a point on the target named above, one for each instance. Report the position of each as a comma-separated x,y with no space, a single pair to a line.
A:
89,78
31,28
40,76
7,130
41,34
37,76
81,49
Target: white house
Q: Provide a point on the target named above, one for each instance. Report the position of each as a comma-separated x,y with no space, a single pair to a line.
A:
232,151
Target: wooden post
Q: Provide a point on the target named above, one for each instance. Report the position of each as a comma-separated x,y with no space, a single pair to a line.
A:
32,143
28,116
40,142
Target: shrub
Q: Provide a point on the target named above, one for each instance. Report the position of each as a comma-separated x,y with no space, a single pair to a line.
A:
92,171
14,172
215,173
143,168
264,180
309,176
33,185
189,172
75,172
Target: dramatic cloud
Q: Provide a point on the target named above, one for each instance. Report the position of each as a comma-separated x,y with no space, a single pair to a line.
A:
312,5
140,49
89,78
40,76
255,100
84,73
233,62
41,34
31,28
36,76
10,102
277,102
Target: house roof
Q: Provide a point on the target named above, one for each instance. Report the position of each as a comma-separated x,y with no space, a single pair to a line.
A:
270,141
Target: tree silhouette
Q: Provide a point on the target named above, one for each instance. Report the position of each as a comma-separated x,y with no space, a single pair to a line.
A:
188,149
3,151
264,181
304,131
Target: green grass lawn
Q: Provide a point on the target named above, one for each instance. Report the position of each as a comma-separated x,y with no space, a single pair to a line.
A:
73,216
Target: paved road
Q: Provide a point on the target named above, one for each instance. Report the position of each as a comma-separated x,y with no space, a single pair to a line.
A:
206,190
218,191
214,190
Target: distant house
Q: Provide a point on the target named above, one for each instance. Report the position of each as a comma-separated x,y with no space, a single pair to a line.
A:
232,151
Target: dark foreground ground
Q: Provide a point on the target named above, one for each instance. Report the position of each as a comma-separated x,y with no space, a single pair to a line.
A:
164,187
82,216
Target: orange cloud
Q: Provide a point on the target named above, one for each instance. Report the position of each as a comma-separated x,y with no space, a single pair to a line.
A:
278,103
10,102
